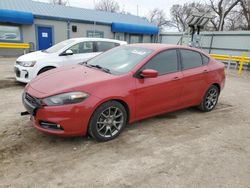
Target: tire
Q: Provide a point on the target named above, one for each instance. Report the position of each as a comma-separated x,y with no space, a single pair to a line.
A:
210,99
108,121
45,69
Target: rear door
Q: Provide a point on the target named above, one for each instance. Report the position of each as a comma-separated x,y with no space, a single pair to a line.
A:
160,94
194,77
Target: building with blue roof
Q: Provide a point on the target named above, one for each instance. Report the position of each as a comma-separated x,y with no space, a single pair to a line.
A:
44,24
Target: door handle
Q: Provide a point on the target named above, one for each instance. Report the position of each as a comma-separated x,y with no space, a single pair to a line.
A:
176,78
205,71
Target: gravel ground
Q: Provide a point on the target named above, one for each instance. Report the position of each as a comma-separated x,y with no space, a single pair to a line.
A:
186,148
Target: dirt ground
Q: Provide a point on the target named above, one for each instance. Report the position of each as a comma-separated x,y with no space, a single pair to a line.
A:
181,149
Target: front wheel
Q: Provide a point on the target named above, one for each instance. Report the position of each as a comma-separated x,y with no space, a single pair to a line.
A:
108,121
210,99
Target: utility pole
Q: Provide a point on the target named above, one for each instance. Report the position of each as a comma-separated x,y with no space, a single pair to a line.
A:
137,9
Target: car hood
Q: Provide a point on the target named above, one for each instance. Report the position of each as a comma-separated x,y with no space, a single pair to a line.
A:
66,79
34,56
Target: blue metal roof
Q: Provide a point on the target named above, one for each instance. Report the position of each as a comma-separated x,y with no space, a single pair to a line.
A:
59,12
132,28
12,16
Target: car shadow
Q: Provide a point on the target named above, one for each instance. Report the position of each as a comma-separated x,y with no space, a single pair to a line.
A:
10,82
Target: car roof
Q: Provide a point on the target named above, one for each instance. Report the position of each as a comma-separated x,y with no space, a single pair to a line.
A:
82,39
159,47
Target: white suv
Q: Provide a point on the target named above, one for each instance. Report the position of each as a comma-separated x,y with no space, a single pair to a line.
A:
71,51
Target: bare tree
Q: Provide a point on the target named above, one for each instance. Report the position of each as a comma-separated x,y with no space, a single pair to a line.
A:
236,20
245,12
158,17
108,6
180,14
222,8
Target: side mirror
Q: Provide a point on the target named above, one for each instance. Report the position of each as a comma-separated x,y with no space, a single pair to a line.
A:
68,52
149,73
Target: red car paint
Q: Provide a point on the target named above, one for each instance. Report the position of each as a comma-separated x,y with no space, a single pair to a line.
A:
143,97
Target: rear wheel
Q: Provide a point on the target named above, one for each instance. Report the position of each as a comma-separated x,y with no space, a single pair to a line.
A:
108,121
210,99
45,69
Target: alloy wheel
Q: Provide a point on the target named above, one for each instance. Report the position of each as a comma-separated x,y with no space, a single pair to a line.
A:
110,122
211,98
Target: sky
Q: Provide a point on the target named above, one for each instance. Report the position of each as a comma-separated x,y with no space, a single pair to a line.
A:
144,6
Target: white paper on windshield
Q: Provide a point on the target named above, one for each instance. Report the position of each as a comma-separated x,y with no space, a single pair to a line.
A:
138,52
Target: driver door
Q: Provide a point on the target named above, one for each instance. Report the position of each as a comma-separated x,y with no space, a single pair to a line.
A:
160,94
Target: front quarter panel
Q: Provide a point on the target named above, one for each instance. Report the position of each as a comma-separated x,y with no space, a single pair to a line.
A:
120,88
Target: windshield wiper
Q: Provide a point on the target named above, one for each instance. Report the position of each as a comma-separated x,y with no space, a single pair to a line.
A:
98,67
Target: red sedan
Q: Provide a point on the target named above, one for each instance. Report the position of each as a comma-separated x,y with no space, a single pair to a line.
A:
121,86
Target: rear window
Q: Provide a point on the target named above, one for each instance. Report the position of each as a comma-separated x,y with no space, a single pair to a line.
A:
190,59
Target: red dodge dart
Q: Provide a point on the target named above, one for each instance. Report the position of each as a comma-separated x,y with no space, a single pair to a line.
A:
121,86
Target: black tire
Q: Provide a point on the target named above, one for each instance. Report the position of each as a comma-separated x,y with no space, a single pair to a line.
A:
210,99
108,121
45,69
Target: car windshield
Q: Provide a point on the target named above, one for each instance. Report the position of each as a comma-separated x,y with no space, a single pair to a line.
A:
120,60
59,46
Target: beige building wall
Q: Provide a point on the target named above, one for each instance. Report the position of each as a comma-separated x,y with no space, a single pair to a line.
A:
59,31
82,29
62,30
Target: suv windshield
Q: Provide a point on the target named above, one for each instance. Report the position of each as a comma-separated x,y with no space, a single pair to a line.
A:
59,46
120,60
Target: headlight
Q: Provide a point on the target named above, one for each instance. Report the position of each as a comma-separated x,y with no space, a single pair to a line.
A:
26,63
65,98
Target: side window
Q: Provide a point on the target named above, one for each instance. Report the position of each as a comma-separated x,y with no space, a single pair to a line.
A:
205,59
82,47
190,59
75,48
104,46
164,62
86,47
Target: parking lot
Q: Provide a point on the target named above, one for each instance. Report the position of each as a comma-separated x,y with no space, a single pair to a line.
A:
180,149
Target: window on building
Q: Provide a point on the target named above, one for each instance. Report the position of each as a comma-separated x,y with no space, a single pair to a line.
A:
82,47
190,59
135,39
147,39
10,33
119,36
103,46
95,34
164,62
